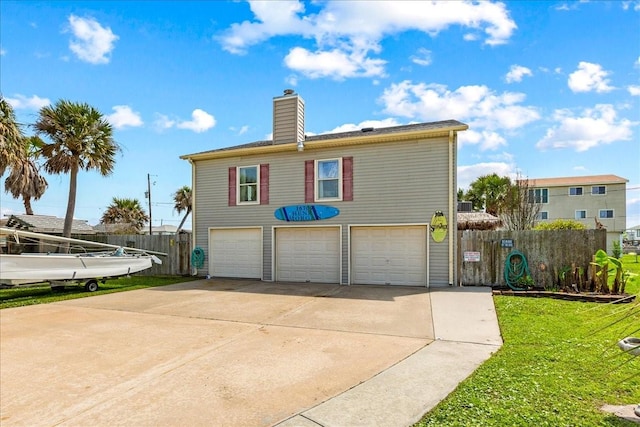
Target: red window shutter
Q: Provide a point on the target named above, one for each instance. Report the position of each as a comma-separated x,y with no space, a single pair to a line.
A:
347,179
264,184
309,178
232,186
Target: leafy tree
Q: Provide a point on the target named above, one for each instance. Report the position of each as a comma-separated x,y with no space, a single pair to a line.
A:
519,212
10,136
25,180
126,212
81,140
488,192
183,203
560,224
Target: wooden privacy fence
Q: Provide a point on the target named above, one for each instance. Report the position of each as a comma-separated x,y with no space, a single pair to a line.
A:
177,246
482,254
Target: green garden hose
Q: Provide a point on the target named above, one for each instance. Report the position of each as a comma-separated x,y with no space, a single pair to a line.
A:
516,271
197,257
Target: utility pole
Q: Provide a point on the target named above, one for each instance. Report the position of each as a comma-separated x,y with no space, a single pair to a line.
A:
149,194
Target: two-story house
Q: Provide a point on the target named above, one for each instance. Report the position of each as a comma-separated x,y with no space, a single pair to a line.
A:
595,201
348,208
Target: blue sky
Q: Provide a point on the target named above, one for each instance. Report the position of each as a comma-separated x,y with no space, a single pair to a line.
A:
548,88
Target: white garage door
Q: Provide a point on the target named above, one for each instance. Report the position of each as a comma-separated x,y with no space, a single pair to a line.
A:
389,255
236,252
308,254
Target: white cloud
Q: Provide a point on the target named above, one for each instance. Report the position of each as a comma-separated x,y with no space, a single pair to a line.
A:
634,5
423,57
346,32
244,129
485,139
589,77
93,43
163,122
124,116
516,73
2,51
478,105
593,127
467,174
336,64
634,90
200,121
376,124
21,102
487,113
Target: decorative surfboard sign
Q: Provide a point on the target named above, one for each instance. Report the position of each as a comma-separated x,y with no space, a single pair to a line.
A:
438,227
305,212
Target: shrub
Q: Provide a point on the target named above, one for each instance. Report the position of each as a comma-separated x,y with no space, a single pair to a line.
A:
617,250
560,224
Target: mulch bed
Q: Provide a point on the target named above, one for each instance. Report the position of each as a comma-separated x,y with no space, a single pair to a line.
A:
604,298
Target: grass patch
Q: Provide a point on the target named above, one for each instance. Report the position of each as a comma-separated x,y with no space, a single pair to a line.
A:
21,296
631,263
559,364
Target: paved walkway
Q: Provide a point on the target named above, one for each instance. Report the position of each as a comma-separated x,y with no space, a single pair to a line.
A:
231,353
467,333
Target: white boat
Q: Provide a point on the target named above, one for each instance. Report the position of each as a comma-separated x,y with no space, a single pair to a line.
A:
29,268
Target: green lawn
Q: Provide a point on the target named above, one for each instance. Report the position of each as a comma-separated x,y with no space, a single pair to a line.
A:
559,364
632,264
17,297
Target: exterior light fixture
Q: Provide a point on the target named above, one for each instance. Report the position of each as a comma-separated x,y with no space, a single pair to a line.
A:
300,145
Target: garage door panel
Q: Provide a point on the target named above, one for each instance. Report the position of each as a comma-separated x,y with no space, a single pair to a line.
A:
394,255
308,254
236,253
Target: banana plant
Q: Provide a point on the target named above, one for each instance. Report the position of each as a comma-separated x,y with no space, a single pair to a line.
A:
602,261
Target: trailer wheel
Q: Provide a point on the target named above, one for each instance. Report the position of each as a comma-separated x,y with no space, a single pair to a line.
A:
91,285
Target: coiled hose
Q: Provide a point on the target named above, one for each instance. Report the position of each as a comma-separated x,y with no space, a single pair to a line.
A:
197,257
516,270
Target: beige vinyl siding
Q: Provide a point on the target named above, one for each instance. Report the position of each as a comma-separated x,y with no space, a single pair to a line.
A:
393,183
288,119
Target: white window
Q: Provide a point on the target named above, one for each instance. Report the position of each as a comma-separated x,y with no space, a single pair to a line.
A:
575,191
248,184
539,195
581,214
606,213
598,189
543,215
329,179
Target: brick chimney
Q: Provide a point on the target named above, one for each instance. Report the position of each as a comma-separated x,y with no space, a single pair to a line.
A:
288,118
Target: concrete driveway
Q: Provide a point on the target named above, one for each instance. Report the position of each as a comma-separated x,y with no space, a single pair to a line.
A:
228,353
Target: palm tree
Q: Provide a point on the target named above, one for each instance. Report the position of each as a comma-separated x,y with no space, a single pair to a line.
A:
10,136
182,202
81,140
126,212
25,180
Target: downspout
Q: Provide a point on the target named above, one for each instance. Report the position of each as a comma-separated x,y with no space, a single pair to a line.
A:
193,207
452,208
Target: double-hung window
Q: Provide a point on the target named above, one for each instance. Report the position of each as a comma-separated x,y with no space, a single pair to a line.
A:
539,195
606,213
329,179
248,184
598,189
